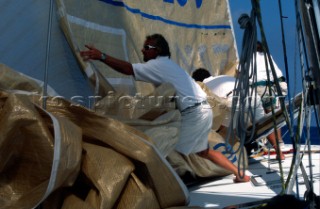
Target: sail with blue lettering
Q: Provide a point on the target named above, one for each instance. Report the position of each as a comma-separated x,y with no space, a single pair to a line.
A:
199,33
55,151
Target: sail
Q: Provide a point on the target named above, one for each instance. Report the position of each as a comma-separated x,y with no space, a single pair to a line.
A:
199,32
23,47
46,45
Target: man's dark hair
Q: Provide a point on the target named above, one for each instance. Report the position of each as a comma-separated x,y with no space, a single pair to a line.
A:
259,46
161,44
200,74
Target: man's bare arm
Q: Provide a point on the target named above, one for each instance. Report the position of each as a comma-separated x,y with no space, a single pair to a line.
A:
119,65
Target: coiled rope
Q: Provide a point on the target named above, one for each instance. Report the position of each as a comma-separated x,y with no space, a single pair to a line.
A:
244,102
242,89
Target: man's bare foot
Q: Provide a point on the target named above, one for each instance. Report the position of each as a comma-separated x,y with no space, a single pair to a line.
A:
282,157
244,178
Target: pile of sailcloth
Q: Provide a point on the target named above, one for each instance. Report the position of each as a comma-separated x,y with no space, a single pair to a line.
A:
68,156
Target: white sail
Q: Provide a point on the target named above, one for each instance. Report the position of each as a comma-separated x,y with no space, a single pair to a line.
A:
66,146
199,32
23,47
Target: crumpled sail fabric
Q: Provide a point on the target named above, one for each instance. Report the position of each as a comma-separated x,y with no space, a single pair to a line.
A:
119,166
122,162
38,152
154,114
199,33
147,107
220,107
70,157
153,171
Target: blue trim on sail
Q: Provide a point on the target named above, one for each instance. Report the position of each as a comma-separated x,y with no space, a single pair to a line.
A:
170,22
232,157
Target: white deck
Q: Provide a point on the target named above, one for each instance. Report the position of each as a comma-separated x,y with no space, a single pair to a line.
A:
223,192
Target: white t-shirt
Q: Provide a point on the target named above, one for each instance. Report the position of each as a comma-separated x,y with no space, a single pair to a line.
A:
223,86
164,70
262,71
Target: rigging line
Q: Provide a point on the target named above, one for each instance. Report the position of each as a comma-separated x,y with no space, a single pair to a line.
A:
291,132
316,117
243,20
314,95
286,65
45,79
313,30
311,84
296,47
296,159
309,152
303,59
318,126
283,107
295,164
304,62
295,77
313,47
241,87
306,86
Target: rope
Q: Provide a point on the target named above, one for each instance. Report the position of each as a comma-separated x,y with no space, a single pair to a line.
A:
296,161
291,108
244,102
45,80
278,89
242,98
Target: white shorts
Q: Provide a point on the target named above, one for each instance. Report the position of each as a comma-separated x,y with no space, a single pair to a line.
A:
196,123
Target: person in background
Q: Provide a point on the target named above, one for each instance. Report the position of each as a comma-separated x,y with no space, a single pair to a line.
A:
269,101
196,113
201,74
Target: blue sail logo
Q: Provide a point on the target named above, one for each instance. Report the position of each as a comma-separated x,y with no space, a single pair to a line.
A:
167,20
184,2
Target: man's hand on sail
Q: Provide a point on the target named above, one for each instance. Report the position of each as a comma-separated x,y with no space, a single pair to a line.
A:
92,53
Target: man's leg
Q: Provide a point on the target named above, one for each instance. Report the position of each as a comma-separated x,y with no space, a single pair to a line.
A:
272,138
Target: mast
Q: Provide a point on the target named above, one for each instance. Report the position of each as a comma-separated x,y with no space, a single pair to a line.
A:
311,32
309,9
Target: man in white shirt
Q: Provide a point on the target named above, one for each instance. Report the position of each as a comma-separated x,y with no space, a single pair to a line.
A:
223,86
196,113
261,83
